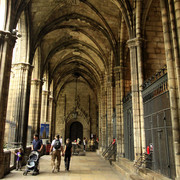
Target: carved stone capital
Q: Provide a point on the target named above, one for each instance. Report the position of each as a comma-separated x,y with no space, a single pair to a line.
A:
6,36
36,82
135,42
22,66
118,69
44,92
51,98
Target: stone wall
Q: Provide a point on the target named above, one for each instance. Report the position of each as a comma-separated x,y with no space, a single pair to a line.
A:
86,108
154,52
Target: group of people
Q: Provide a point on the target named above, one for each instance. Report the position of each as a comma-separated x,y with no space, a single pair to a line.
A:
56,150
90,144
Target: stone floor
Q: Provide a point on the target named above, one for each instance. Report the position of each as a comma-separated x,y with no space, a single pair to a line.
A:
89,167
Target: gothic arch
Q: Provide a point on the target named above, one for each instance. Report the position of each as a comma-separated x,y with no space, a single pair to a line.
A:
82,117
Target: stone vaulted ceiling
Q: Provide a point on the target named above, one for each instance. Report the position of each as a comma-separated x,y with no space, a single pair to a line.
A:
75,36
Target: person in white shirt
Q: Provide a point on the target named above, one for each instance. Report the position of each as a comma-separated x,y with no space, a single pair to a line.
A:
84,143
61,140
56,149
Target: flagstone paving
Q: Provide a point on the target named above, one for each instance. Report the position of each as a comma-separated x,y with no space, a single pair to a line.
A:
88,167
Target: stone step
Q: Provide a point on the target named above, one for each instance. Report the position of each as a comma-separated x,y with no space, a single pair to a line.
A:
135,177
126,172
128,164
122,169
151,175
130,171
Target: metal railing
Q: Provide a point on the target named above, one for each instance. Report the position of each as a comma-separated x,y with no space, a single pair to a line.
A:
143,160
110,152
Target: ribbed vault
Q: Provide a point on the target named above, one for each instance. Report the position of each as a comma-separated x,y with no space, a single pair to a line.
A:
76,36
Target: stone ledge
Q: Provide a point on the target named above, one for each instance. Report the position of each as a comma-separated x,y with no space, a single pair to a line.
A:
127,168
151,175
126,171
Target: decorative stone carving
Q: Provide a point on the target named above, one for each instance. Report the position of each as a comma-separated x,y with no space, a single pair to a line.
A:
80,112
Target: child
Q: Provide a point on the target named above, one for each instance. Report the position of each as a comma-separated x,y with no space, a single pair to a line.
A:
19,159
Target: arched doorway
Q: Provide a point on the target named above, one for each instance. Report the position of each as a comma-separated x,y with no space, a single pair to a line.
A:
76,131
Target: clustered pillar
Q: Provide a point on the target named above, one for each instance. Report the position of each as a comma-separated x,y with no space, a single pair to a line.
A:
34,108
7,42
173,67
119,111
110,109
44,106
136,99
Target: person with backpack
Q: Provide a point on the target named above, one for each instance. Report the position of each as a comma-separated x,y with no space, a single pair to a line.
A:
56,149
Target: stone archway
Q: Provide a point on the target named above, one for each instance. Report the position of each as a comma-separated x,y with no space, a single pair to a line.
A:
76,131
81,118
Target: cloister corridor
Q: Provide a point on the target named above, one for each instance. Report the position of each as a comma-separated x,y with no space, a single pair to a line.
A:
89,167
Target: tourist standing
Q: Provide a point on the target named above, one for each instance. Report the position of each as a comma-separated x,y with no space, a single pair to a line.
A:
68,153
19,159
84,143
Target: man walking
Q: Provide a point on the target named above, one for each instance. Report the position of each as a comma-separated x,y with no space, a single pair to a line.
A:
37,145
56,149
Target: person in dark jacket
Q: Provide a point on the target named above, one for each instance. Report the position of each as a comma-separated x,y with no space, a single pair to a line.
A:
67,153
37,145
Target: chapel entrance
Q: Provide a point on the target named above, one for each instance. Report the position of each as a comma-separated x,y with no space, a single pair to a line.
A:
76,131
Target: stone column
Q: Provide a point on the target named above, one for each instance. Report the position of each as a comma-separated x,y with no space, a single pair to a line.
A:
139,42
100,120
53,130
172,81
110,109
135,97
44,106
103,116
35,106
177,19
7,42
22,78
119,111
50,111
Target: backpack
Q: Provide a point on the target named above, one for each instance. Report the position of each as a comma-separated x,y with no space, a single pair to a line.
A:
57,144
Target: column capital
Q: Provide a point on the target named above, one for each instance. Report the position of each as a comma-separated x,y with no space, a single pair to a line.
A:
119,69
36,82
45,92
7,36
135,42
51,97
22,66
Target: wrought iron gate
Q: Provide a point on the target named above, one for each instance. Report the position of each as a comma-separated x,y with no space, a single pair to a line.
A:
158,127
128,128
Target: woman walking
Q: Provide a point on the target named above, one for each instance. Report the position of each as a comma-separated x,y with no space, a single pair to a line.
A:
67,154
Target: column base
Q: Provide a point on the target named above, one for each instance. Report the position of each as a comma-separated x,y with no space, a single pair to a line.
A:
2,167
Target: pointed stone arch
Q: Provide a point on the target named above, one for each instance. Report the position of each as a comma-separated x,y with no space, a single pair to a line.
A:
78,115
